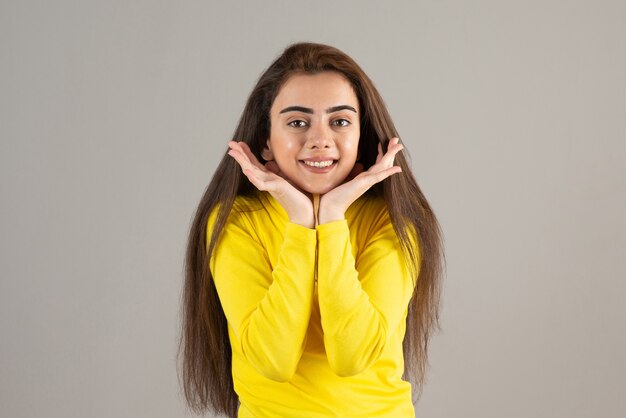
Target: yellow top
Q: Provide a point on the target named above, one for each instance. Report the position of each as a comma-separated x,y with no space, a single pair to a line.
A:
301,349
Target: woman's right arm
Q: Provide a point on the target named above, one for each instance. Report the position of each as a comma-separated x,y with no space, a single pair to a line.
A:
268,308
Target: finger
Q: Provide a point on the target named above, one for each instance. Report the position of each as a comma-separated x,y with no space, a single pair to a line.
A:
249,173
240,157
265,181
242,149
393,149
234,145
250,155
380,153
378,176
244,156
393,143
390,145
258,178
366,180
386,163
396,145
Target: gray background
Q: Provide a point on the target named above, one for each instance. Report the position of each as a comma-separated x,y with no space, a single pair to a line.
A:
114,114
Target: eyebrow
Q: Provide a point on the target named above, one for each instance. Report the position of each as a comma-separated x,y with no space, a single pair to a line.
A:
309,110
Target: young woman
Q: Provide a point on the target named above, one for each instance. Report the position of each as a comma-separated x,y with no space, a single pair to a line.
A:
314,261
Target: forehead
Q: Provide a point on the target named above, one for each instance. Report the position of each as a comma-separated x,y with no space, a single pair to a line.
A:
317,91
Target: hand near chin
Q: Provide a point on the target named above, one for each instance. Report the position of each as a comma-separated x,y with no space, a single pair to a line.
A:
333,205
267,178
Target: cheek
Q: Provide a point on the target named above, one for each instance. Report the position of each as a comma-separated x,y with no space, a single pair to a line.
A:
351,148
291,146
284,145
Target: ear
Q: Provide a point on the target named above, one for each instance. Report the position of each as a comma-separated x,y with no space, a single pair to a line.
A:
266,152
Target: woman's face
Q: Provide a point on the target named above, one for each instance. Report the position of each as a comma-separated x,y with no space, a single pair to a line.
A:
314,136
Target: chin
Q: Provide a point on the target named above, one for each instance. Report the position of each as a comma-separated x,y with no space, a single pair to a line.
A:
319,189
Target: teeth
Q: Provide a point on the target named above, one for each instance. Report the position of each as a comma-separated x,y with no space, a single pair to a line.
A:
319,163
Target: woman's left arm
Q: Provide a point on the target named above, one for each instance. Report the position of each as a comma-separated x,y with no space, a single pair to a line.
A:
363,301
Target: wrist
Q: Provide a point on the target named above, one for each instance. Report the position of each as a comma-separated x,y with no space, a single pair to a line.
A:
327,215
307,222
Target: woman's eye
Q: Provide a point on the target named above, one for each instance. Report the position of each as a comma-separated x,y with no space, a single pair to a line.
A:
297,124
341,122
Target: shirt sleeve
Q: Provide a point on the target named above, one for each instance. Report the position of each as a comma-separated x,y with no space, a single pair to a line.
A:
361,301
268,309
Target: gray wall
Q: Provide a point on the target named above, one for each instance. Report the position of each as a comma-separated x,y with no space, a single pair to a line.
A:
113,116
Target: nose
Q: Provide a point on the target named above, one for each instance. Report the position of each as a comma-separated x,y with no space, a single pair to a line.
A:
320,136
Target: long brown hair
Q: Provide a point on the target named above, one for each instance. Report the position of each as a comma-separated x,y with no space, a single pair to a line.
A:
204,343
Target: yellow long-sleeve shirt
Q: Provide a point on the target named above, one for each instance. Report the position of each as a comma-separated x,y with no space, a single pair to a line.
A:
304,349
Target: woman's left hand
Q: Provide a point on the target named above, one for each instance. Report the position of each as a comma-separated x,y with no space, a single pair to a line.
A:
333,205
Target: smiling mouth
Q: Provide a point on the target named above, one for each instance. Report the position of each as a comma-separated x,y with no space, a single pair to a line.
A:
319,164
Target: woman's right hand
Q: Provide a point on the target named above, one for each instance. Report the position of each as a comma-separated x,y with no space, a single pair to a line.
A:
267,178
